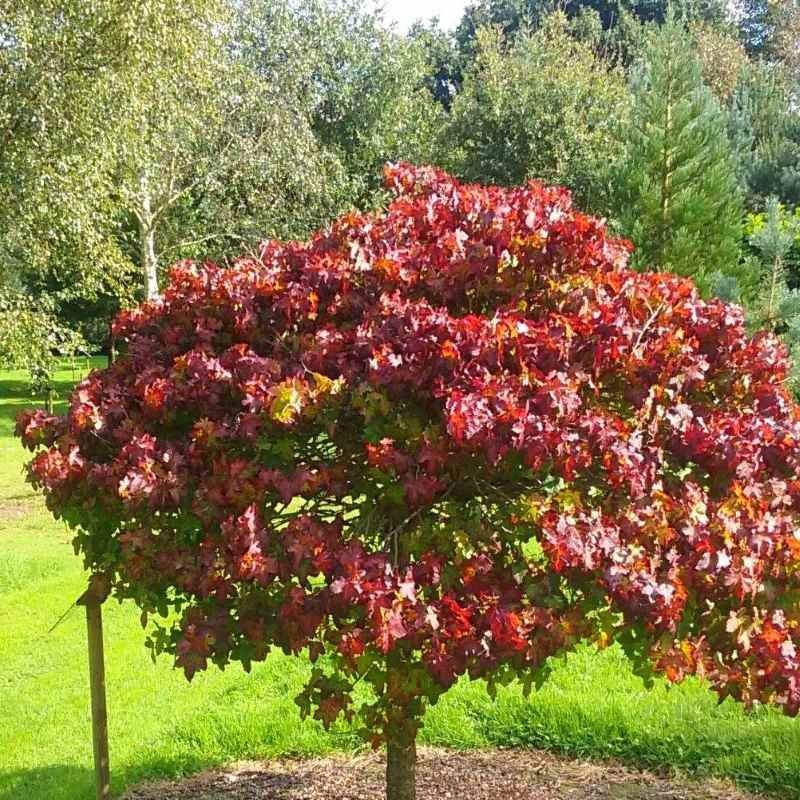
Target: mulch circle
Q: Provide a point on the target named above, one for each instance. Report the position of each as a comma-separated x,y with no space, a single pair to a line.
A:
441,775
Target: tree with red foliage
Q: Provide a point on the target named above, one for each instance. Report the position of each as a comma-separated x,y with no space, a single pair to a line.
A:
453,438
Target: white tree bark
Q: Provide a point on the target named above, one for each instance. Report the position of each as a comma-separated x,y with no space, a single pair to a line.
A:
147,240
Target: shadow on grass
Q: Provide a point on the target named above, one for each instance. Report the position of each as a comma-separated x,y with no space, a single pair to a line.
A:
68,782
17,387
58,780
738,752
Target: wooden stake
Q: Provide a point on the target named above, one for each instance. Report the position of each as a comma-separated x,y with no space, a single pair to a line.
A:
97,680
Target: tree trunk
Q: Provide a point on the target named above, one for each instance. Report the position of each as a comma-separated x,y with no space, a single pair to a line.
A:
666,172
772,311
401,766
149,263
147,241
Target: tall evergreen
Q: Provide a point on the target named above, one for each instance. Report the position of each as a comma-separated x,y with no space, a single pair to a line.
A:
675,192
778,306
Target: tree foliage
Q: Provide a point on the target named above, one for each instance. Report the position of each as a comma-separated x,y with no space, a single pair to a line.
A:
211,147
373,105
31,337
765,128
722,59
56,222
622,17
676,189
544,107
444,65
452,438
167,129
769,28
360,86
777,308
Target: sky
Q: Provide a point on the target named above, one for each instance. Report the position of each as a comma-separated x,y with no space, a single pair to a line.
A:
405,12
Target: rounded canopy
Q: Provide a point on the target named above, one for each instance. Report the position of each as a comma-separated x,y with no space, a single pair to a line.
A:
456,436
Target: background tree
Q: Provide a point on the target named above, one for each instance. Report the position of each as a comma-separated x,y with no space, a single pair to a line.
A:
211,144
155,137
374,105
786,47
511,16
789,220
56,233
767,26
722,58
777,308
31,336
675,189
169,104
444,73
544,107
506,16
361,86
764,127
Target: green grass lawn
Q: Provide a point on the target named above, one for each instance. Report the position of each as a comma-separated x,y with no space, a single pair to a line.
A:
162,726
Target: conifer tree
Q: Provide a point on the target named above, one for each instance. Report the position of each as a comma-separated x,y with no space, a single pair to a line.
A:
675,192
764,128
778,306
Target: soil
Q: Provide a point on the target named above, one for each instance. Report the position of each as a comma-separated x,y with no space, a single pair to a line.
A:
441,775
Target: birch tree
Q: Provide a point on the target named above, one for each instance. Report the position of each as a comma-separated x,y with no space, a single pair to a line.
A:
55,59
135,134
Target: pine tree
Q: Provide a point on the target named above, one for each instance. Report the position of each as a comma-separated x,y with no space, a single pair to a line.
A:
675,193
764,127
778,306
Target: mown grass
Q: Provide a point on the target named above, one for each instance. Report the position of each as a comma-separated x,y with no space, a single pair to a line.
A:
162,726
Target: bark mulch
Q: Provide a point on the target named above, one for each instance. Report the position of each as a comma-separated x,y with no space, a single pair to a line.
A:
441,775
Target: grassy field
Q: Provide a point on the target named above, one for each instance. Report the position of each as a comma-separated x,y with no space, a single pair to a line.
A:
162,726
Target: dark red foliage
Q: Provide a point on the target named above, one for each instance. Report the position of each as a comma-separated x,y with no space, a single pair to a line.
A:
446,439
